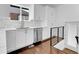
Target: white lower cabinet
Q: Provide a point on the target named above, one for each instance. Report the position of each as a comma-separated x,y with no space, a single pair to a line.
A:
11,40
20,38
15,40
37,34
45,33
29,35
3,49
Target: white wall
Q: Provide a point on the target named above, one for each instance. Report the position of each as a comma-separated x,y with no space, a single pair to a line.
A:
50,16
67,12
54,32
4,11
45,33
49,19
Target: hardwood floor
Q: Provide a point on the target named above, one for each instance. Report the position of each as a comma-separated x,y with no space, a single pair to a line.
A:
68,51
44,48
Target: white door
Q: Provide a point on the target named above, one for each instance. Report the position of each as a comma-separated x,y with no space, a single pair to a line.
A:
20,38
71,33
78,37
39,34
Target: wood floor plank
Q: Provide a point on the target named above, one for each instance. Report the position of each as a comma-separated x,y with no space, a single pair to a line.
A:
68,51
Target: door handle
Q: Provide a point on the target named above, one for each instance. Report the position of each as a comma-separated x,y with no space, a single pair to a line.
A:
77,39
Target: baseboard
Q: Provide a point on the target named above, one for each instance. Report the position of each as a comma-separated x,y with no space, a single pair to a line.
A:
70,47
24,48
19,50
49,38
37,43
45,40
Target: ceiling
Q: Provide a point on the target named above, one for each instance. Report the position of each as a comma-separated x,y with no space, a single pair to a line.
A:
52,5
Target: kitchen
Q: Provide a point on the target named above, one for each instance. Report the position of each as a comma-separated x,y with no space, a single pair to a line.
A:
23,25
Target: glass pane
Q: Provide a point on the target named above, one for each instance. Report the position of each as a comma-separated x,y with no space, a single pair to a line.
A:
14,12
25,14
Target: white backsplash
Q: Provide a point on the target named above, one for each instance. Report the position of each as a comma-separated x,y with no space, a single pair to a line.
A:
9,24
36,23
19,24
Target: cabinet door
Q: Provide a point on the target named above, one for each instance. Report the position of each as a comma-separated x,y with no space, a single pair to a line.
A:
37,12
20,38
35,35
3,49
39,34
11,40
29,36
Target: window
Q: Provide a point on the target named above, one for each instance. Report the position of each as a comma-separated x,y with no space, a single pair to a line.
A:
19,13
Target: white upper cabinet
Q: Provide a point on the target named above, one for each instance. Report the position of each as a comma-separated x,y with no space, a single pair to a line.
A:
39,12
44,14
50,16
36,15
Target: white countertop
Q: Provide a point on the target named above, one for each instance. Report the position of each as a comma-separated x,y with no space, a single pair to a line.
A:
7,28
15,28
